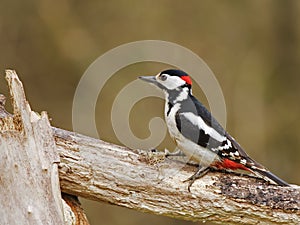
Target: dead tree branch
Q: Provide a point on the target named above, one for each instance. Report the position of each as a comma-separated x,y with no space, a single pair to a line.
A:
29,183
148,182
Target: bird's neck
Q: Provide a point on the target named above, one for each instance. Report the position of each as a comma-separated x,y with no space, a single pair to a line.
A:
175,96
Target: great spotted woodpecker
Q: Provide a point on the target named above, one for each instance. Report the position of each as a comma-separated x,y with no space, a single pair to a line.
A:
198,134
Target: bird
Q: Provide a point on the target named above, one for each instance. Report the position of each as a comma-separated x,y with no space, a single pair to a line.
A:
198,134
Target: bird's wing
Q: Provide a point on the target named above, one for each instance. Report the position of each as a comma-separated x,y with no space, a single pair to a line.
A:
195,129
207,116
234,151
228,147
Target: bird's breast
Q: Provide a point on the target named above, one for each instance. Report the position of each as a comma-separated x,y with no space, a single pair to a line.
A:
196,152
170,120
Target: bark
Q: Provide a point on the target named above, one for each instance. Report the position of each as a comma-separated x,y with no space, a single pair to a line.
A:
146,181
136,179
29,182
30,192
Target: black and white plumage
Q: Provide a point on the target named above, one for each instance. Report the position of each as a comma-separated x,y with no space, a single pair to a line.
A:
197,133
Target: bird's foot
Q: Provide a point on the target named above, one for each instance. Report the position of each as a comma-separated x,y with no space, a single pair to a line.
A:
200,172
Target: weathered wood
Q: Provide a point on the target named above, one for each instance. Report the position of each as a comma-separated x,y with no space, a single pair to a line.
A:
29,185
78,214
148,182
137,179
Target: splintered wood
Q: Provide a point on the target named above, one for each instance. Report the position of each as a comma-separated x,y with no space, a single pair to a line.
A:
29,184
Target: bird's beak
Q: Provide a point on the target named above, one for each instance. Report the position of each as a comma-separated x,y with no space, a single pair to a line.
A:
149,79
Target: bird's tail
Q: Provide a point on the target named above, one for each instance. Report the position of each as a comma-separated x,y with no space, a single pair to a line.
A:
268,176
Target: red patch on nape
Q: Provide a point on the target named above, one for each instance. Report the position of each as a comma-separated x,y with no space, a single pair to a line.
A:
229,164
187,79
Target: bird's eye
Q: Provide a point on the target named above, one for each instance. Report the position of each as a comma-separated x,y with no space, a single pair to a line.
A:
163,77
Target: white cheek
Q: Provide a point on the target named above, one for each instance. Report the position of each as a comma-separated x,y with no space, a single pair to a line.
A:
172,82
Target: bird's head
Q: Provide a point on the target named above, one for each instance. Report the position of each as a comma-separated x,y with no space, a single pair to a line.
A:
170,80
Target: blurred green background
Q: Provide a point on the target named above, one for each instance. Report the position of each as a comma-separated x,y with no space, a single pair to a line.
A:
253,48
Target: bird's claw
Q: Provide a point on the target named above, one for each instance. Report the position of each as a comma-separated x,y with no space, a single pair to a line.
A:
200,172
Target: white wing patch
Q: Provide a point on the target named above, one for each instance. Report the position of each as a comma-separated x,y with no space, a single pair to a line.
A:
197,121
228,145
243,161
